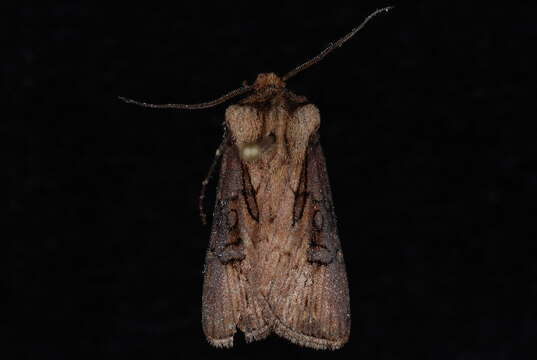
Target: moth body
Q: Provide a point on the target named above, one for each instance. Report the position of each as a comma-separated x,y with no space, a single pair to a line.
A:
274,262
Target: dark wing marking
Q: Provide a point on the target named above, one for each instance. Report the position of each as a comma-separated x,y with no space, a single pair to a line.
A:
249,195
301,195
309,295
229,299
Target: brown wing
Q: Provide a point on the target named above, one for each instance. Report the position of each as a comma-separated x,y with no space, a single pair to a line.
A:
229,299
309,295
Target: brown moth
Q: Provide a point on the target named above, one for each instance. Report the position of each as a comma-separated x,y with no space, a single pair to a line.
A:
274,262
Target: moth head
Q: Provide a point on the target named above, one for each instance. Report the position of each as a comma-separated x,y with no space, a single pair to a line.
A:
268,80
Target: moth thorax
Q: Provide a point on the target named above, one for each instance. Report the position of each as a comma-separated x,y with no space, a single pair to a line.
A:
250,152
244,123
253,151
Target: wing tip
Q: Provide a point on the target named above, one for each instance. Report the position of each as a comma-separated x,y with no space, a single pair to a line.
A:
285,332
258,334
307,340
221,343
251,336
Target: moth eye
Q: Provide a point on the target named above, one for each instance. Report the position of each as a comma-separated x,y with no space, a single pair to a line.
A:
232,218
318,220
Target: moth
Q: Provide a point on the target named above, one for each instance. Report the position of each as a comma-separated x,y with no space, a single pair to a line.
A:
274,262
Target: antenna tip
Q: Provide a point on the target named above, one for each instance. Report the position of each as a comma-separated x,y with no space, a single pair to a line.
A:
387,8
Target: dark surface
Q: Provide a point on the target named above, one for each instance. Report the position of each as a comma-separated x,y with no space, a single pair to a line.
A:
427,120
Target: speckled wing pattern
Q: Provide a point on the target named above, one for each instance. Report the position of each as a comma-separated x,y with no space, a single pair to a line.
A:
274,262
308,294
229,291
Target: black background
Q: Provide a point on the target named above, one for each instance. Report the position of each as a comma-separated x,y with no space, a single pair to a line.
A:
427,118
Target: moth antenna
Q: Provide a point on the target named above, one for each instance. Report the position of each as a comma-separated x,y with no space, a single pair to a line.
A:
205,182
244,89
333,46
